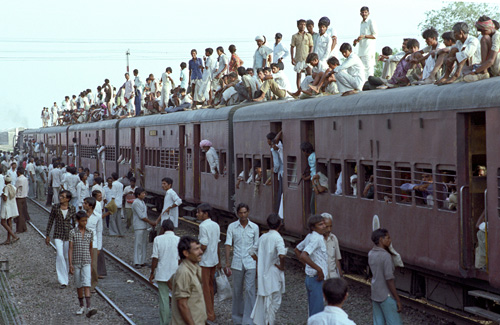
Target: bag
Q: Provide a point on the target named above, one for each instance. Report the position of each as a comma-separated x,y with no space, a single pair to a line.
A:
152,235
223,287
111,206
130,198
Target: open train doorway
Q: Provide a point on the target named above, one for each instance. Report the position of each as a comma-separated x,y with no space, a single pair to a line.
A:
196,162
182,160
307,135
471,181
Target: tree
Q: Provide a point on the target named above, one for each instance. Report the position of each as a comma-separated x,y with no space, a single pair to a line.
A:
443,19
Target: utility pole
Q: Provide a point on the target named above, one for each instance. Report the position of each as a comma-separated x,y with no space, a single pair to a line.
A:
128,54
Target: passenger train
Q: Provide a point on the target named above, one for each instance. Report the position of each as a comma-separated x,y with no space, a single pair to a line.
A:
387,138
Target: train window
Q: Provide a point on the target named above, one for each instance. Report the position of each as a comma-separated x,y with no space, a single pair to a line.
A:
239,166
189,159
291,170
335,172
350,178
322,177
247,174
402,173
366,181
422,178
110,153
257,165
222,162
384,182
157,157
445,189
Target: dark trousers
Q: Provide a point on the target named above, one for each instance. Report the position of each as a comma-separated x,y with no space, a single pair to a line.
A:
137,103
22,208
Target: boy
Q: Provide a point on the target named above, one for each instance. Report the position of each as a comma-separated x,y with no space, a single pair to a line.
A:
335,294
310,31
167,85
279,51
184,76
280,77
433,46
323,42
366,40
269,84
350,74
318,69
195,71
249,83
304,44
171,203
80,258
399,78
328,77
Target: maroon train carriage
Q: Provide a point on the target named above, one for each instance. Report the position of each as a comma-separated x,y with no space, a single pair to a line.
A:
55,141
399,136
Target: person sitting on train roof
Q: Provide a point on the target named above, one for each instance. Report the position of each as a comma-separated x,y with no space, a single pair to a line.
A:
280,77
350,75
388,65
250,85
226,94
211,156
328,83
269,84
490,45
318,69
428,55
182,100
440,57
466,52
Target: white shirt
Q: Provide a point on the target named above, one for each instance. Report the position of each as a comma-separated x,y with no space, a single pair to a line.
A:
82,190
70,183
22,187
99,188
470,49
94,223
354,67
314,245
13,176
107,193
280,52
366,47
165,81
322,66
170,198
213,160
210,64
270,279
282,80
209,236
138,83
102,151
165,250
184,78
322,46
127,190
129,88
242,240
333,251
223,63
98,208
30,168
2,184
117,193
330,315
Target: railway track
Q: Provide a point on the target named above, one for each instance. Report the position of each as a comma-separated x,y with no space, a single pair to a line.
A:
127,291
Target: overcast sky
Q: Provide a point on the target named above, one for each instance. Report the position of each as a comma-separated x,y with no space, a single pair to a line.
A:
50,49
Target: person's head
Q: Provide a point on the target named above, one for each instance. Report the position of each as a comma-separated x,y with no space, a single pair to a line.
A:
278,37
136,73
307,148
114,176
485,26
87,171
83,177
460,31
65,196
140,193
323,25
242,71
194,53
13,165
387,51
96,194
430,36
167,225
260,40
110,181
232,49
183,65
413,45
267,71
301,25
189,249
335,291
81,217
203,211
333,62
242,210
328,219
270,137
250,71
127,76
20,171
364,12
312,59
132,181
310,26
496,23
316,223
448,38
89,204
273,221
209,51
166,183
346,49
381,238
220,50
168,70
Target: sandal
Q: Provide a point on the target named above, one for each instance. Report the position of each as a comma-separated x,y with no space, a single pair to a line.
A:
14,240
5,243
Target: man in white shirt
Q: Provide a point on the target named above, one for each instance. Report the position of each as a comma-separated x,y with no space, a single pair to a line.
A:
139,89
312,252
209,238
54,113
184,78
167,85
335,293
332,248
128,86
274,142
171,203
323,44
211,156
165,261
466,52
242,235
115,224
101,152
223,64
350,74
55,180
270,254
279,51
94,224
12,172
22,188
69,182
30,172
366,40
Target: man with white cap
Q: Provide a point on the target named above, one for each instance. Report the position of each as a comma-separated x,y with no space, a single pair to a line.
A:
211,156
262,54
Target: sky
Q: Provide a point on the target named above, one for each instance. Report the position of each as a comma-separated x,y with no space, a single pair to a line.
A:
50,49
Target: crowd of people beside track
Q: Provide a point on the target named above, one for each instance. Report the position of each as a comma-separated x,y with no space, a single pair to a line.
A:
221,79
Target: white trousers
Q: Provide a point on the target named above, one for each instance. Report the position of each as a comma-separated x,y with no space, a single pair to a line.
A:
55,195
62,262
346,82
115,223
265,309
430,63
369,63
140,246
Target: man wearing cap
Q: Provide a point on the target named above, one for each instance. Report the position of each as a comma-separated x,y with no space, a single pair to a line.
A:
211,156
262,53
279,51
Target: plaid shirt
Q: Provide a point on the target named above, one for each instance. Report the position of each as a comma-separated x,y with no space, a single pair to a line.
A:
81,246
63,225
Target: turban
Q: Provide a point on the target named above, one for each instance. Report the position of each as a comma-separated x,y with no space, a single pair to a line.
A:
259,38
205,143
487,25
8,178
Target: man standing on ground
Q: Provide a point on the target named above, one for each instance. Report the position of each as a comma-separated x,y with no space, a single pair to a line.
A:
40,180
385,299
22,206
94,224
366,40
242,235
188,305
171,202
116,193
55,179
165,259
30,169
209,239
63,214
335,294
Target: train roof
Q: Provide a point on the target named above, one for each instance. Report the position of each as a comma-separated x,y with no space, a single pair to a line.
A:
54,129
481,94
200,115
31,131
101,125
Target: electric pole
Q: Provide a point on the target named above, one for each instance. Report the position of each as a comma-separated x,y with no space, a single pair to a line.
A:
128,54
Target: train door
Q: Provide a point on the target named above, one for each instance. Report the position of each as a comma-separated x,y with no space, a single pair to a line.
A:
307,135
182,160
78,160
133,152
142,158
277,181
472,159
196,162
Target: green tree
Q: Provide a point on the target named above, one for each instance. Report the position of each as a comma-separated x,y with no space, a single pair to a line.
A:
443,19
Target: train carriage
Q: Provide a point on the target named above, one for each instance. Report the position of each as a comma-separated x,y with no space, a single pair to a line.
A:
55,141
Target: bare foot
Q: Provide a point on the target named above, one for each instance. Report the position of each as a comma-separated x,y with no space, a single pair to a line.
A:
307,92
350,92
295,94
314,88
441,81
259,99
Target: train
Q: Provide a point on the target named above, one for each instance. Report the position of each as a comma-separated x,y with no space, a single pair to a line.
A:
387,138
